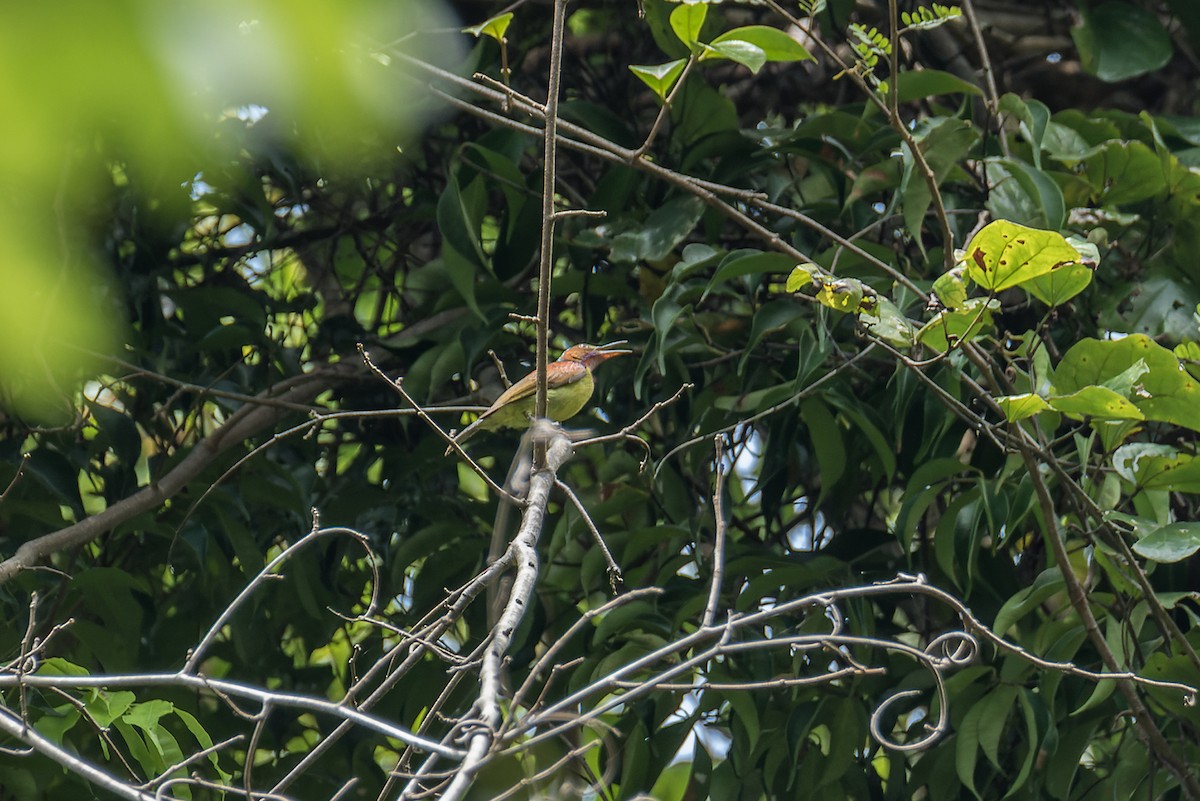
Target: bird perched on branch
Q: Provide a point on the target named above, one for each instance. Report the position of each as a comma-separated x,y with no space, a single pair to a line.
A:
569,385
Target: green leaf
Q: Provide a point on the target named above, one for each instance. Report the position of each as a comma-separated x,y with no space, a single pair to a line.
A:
746,262
1048,583
1005,254
1119,40
665,228
888,323
1099,402
775,44
950,328
661,77
951,289
1019,407
846,295
686,21
770,317
966,748
460,212
1034,118
748,55
1167,471
827,441
944,142
495,27
1024,194
1031,739
1125,172
1127,457
1167,392
1171,543
993,721
917,84
672,783
801,276
1058,286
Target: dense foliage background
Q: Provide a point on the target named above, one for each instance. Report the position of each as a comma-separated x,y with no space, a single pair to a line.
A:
1017,425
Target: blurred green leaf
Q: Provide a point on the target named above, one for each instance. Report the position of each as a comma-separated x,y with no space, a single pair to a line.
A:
1119,40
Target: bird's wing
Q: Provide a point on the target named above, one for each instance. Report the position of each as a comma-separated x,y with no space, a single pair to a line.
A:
522,389
564,373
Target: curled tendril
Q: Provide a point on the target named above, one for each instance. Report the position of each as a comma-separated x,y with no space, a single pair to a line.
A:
949,651
954,648
934,733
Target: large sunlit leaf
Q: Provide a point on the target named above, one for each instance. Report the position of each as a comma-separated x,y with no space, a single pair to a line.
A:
1005,254
1166,393
1099,402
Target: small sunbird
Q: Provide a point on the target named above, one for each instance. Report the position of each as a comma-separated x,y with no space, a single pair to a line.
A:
569,385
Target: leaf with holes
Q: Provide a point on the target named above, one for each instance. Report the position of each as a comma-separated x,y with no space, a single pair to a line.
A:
1005,254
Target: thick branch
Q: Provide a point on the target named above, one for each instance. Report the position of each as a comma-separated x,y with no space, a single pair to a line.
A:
242,424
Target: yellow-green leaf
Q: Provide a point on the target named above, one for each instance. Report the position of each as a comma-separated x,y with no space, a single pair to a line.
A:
1005,254
1061,284
660,77
846,295
495,27
1018,407
1099,402
951,289
686,21
1166,392
801,276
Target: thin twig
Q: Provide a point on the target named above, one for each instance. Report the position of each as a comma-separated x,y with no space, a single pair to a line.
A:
718,555
398,385
614,572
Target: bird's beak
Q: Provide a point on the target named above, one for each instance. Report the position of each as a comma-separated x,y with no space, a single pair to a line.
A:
613,348
603,353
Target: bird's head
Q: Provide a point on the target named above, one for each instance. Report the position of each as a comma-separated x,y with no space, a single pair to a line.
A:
591,355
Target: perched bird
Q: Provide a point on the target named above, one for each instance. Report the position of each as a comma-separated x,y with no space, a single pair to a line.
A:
569,385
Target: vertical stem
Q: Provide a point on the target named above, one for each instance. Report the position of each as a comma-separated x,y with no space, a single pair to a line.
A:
546,264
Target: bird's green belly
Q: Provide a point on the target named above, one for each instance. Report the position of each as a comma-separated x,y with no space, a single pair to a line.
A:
562,403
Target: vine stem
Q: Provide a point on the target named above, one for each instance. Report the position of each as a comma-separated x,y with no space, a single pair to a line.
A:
1150,735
